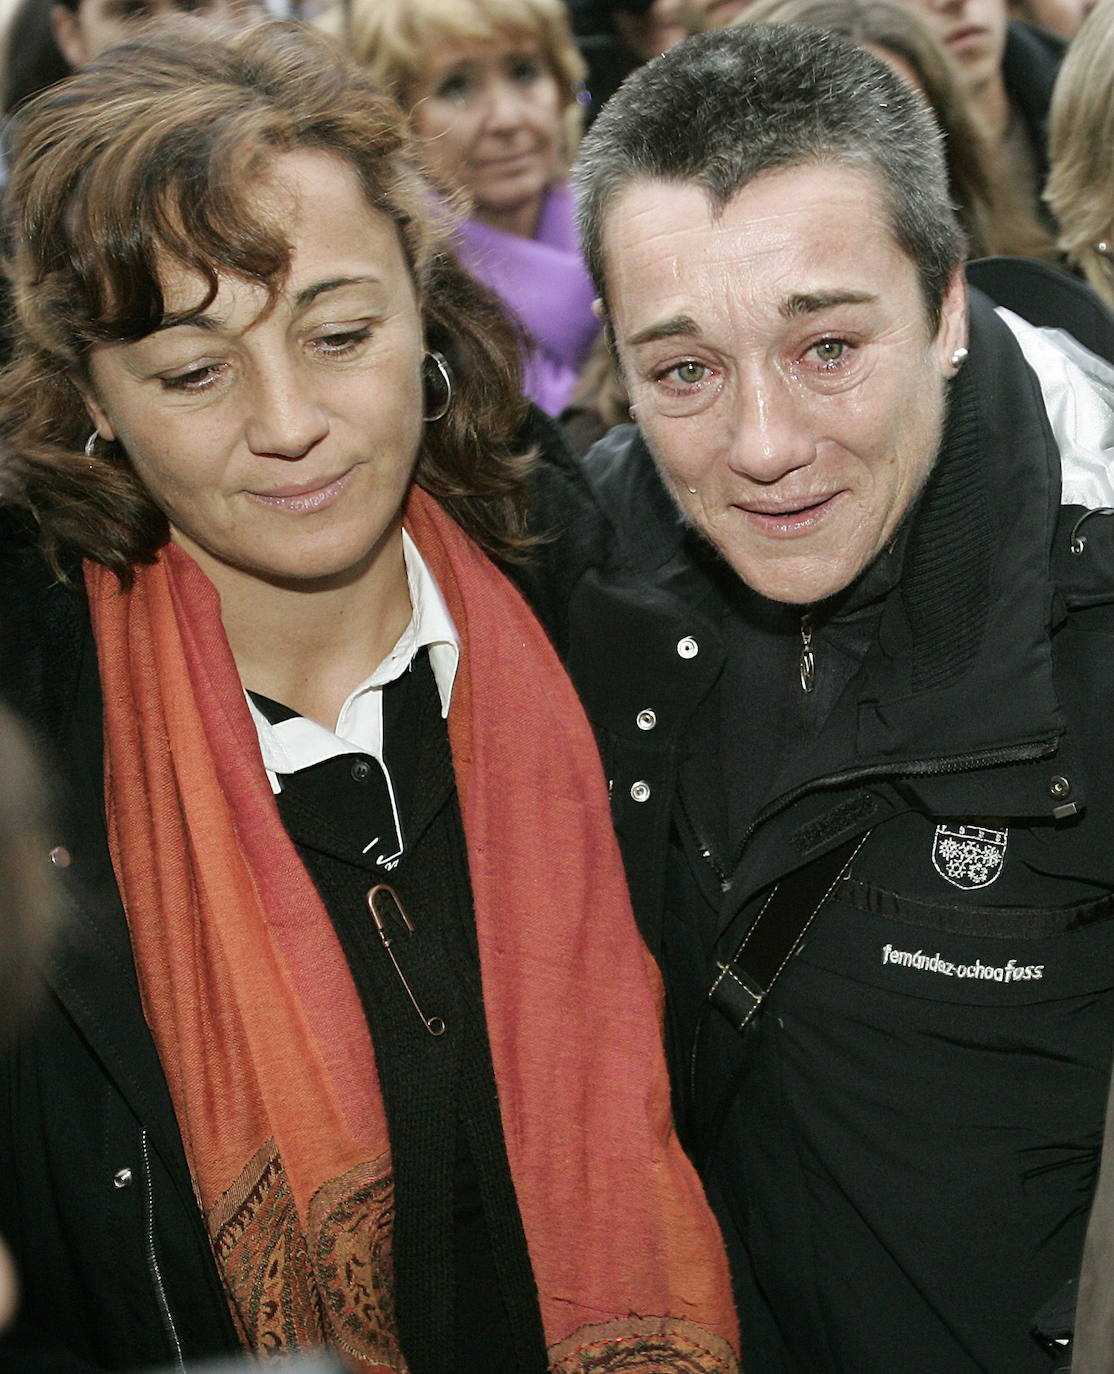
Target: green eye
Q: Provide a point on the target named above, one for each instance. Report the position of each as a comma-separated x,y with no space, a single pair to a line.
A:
830,350
690,372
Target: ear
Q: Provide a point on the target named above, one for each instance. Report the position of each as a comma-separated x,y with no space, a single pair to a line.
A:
952,331
97,414
68,35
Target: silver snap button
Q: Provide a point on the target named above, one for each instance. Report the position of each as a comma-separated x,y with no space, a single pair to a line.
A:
60,856
122,1178
646,720
1059,787
688,647
640,791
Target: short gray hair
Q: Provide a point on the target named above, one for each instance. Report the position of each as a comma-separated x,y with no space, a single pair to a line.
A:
721,108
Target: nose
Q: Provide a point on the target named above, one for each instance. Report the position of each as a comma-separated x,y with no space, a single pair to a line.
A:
503,112
772,430
285,419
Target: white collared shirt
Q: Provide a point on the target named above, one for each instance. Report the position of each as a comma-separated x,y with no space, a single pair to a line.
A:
299,743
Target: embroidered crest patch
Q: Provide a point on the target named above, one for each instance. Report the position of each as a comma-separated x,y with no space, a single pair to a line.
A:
969,856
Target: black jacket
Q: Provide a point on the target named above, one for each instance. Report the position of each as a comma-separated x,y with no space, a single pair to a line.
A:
95,1195
96,1200
897,1192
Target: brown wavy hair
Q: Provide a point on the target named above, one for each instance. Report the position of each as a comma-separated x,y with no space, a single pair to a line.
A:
154,153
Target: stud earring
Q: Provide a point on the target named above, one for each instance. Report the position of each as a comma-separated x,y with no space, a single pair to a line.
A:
692,491
959,357
1103,247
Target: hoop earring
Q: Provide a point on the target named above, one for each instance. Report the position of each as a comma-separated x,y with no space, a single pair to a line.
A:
91,444
435,371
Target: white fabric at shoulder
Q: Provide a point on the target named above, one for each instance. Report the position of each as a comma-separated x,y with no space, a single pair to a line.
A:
1078,389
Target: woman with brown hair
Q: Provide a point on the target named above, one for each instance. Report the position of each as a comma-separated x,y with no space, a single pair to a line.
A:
492,88
333,830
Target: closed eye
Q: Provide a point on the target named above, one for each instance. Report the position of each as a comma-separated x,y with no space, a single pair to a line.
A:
343,342
199,378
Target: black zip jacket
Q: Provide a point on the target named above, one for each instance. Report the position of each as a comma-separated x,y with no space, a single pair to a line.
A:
902,1149
95,1195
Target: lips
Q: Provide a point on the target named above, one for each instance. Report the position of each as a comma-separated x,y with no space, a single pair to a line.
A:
968,36
303,497
788,520
504,164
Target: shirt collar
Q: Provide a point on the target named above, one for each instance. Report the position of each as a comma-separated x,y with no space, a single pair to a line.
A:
431,626
299,743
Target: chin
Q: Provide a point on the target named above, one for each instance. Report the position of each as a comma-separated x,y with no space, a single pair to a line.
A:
797,588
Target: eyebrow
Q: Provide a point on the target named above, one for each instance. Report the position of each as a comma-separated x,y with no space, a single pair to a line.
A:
205,320
667,329
792,308
812,303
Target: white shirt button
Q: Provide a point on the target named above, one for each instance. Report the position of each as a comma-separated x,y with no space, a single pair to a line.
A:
688,647
646,720
640,791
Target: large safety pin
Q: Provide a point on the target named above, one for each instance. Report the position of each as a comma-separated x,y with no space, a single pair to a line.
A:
433,1024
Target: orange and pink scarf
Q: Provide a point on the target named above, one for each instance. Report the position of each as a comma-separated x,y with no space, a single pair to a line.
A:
262,1038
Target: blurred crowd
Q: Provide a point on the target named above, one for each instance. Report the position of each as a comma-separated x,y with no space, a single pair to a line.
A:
500,91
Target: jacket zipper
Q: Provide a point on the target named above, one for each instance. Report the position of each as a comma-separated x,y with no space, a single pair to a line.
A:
918,768
806,666
152,1257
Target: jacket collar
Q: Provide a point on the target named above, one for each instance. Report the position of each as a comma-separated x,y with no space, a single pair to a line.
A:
961,669
962,664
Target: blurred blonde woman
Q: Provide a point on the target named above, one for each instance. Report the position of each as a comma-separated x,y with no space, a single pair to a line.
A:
492,87
1080,189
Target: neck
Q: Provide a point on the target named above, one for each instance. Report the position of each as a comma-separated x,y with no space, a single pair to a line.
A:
992,103
519,220
310,645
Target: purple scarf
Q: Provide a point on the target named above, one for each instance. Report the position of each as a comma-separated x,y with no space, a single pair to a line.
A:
544,283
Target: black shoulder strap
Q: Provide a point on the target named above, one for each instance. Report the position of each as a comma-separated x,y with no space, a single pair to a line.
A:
744,981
